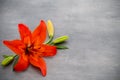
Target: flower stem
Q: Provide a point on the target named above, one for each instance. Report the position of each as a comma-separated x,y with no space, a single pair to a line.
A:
14,56
49,40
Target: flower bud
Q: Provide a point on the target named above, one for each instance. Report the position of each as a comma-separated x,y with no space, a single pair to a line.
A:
50,28
60,39
7,60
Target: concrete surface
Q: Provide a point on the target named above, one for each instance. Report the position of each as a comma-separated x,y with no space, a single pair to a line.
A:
92,25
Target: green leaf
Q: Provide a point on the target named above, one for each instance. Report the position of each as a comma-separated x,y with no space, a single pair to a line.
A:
15,61
61,47
7,60
5,56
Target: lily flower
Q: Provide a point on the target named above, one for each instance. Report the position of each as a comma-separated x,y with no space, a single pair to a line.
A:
31,48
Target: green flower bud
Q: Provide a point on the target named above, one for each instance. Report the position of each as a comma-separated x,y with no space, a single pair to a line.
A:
7,60
60,39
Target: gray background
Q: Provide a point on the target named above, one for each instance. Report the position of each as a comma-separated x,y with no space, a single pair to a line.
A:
93,28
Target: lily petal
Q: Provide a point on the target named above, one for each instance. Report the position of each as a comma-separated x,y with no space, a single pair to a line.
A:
16,45
49,50
25,34
22,63
39,34
40,63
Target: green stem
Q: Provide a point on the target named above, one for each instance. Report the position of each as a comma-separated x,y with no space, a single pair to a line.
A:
14,56
49,40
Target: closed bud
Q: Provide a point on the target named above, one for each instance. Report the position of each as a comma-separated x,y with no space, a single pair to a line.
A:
7,60
50,28
60,39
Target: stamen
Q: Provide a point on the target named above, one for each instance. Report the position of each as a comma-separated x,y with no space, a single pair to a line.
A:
27,50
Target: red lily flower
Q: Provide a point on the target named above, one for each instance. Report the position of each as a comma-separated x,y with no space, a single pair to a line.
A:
31,48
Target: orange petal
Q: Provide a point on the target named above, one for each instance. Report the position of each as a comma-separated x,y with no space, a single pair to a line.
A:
25,34
40,63
16,45
39,34
22,63
49,50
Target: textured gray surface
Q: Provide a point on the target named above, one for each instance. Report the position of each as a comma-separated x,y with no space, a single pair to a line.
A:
92,25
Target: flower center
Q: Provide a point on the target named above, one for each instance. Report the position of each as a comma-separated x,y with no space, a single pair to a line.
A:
38,50
28,49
